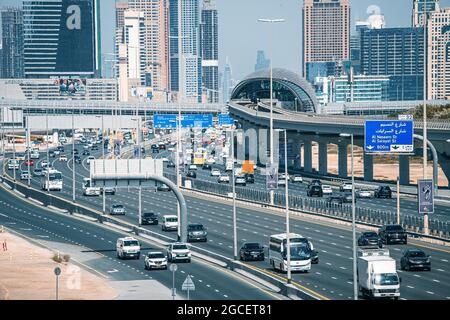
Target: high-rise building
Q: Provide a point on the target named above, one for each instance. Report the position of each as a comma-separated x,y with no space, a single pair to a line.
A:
419,8
185,55
155,41
398,53
326,31
438,54
210,50
227,82
11,58
261,61
62,38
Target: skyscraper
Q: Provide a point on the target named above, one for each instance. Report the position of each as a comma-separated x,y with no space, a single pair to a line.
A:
61,38
261,61
11,58
227,81
438,55
326,31
155,41
418,10
398,53
185,55
210,50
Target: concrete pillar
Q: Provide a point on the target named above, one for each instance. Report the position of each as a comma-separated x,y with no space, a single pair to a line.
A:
404,169
296,149
342,159
368,167
307,160
323,158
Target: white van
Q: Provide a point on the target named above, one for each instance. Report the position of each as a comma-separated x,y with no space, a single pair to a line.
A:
128,247
169,222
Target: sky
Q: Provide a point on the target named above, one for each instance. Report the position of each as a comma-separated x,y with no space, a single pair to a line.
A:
240,35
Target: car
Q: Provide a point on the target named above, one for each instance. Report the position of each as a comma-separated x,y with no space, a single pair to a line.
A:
89,159
364,193
128,247
25,175
163,187
327,189
155,260
383,192
44,163
415,259
171,164
191,174
20,156
223,178
346,186
38,172
393,233
296,178
165,160
370,238
240,181
94,148
117,209
314,190
86,153
250,177
13,164
281,181
192,167
178,251
57,152
149,218
210,160
283,176
29,163
314,256
51,154
251,251
162,146
34,155
169,223
109,190
335,200
206,167
347,197
77,159
197,232
316,182
215,173
75,151
60,148
63,157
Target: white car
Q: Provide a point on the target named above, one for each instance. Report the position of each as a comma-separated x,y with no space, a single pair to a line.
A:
155,260
215,173
25,175
346,186
364,193
178,251
211,161
223,179
240,181
13,164
89,159
57,152
44,164
326,189
128,247
283,176
169,222
192,167
63,158
165,160
296,179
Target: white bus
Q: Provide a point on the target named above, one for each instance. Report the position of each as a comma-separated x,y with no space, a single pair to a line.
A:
88,189
52,181
301,252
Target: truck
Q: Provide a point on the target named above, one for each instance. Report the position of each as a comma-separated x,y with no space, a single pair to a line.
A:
377,274
248,166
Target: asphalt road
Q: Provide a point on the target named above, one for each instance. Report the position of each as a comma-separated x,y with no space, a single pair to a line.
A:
332,277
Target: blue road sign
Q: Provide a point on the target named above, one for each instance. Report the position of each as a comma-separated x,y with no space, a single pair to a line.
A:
170,121
426,196
389,136
225,119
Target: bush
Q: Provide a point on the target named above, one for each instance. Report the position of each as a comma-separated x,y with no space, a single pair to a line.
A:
57,258
66,258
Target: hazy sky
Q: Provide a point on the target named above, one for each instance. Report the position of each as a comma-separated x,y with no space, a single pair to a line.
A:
240,35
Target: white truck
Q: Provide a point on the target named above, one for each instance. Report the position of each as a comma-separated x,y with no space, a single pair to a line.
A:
377,274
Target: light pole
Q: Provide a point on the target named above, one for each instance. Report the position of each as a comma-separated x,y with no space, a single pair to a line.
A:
73,155
28,137
271,95
103,157
14,144
48,152
355,284
425,136
288,239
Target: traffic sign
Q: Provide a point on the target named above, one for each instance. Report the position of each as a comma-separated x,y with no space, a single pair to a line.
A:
272,177
426,196
225,119
170,121
57,271
173,267
188,284
389,136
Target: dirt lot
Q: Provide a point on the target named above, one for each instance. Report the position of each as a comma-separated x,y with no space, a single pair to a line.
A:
26,273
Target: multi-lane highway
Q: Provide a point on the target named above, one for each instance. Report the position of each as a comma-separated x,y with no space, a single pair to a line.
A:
331,278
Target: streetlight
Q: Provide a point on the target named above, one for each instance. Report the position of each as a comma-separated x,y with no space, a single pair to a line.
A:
28,142
355,285
288,240
103,155
425,137
234,197
271,95
73,155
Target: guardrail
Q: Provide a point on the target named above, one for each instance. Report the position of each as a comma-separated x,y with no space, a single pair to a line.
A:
56,203
411,223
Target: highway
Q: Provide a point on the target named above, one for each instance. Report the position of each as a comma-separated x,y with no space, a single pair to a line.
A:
331,278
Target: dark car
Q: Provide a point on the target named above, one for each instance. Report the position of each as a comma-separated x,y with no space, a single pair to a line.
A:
206,167
171,164
383,192
314,257
335,200
163,187
191,174
155,148
415,259
316,182
251,251
60,149
347,197
149,218
86,153
75,151
94,148
51,154
370,238
314,190
197,232
77,159
393,233
250,178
